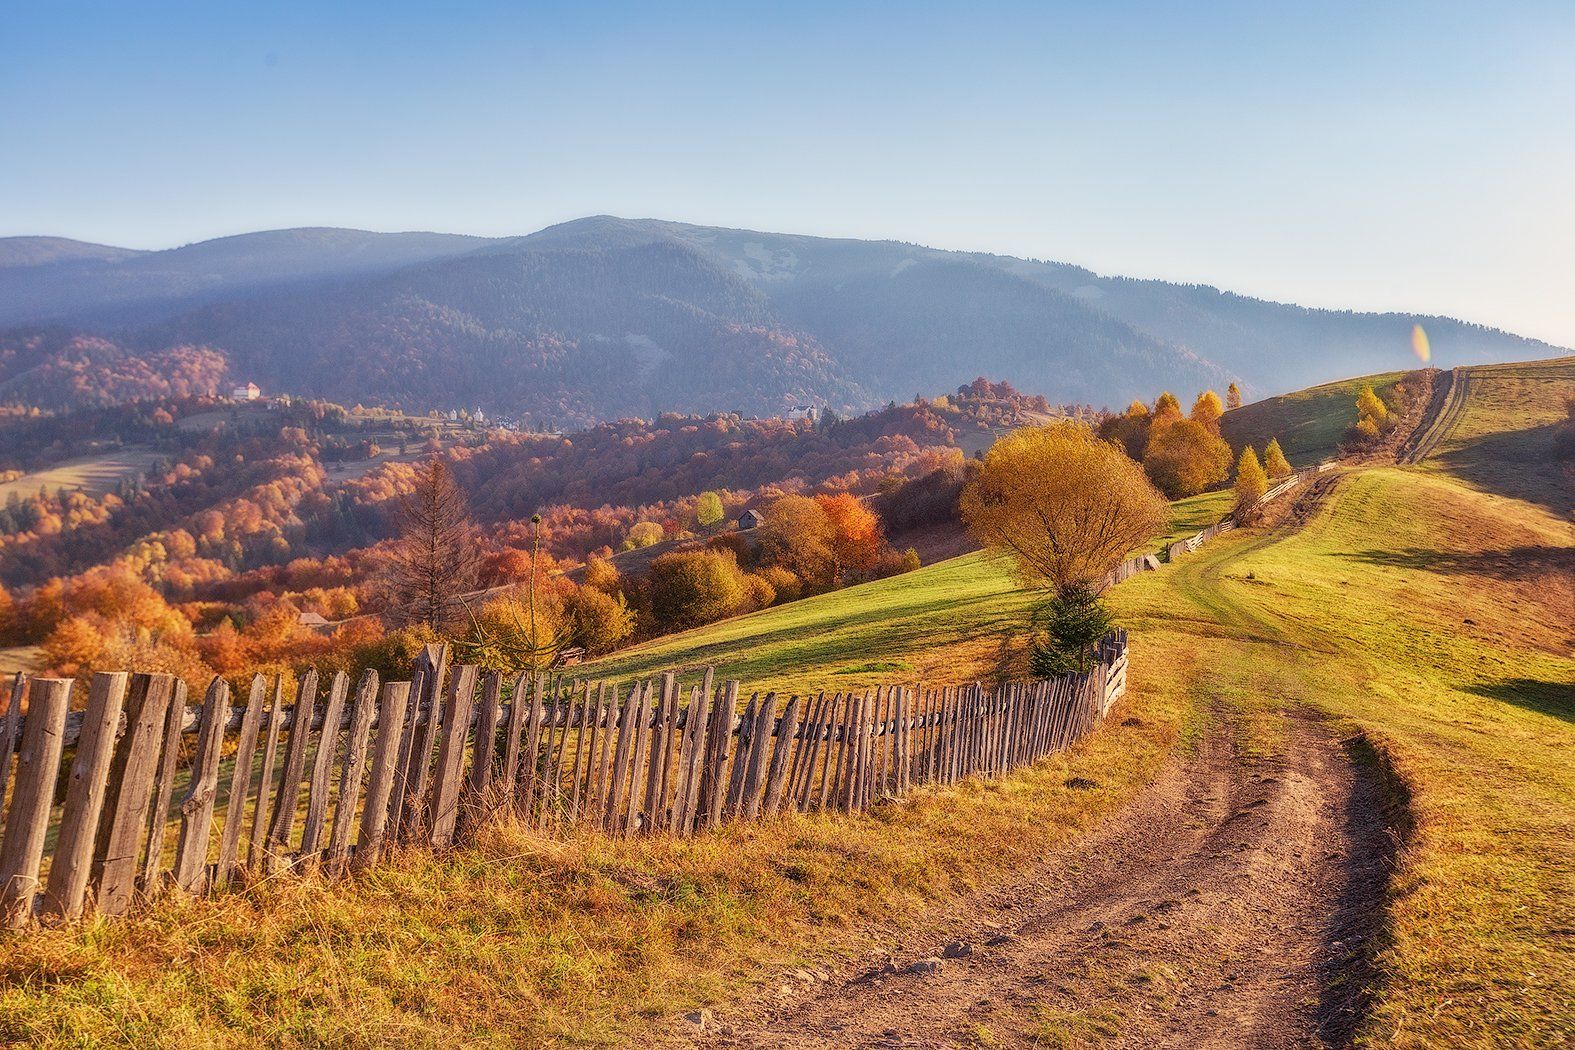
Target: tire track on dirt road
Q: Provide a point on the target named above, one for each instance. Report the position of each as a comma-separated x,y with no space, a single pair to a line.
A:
1225,907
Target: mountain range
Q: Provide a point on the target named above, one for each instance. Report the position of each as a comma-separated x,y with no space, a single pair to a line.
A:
603,318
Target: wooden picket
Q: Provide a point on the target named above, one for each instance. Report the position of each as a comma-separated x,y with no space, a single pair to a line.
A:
421,762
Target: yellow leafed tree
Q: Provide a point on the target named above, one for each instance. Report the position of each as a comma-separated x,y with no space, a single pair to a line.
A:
1064,505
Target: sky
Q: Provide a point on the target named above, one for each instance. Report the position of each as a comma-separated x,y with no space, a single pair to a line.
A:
1408,156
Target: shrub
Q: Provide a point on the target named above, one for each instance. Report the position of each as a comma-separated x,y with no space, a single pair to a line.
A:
761,593
690,588
742,550
784,583
601,620
910,560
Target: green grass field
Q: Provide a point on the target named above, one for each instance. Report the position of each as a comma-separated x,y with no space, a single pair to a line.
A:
1308,423
942,623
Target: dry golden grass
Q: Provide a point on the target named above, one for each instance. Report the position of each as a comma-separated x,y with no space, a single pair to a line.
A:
525,940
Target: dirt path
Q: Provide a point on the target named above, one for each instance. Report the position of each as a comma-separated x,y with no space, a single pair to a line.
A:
1229,906
1443,412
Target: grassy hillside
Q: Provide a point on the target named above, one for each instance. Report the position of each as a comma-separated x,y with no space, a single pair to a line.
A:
1308,422
1503,441
942,623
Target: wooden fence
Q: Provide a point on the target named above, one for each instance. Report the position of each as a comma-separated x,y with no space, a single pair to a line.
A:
1148,562
333,783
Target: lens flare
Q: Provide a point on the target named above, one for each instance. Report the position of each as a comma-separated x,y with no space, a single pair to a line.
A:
1419,344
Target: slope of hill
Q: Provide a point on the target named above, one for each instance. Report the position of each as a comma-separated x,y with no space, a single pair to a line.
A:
602,317
1406,612
52,280
41,251
1308,423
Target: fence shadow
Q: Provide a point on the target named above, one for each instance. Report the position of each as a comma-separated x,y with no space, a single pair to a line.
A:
1525,562
1555,699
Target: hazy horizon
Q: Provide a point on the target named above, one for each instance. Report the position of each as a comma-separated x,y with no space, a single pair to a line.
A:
1408,159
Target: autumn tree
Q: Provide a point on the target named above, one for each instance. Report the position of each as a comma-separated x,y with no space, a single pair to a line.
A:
1251,483
798,535
1063,505
1373,419
1233,396
1207,410
1167,409
435,559
602,575
708,510
856,539
1185,458
1274,462
601,620
645,534
1129,429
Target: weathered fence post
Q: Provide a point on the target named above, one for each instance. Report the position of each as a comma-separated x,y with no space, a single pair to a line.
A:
130,787
385,767
196,810
27,821
73,863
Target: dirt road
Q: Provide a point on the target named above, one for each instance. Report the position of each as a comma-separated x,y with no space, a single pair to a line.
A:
1230,906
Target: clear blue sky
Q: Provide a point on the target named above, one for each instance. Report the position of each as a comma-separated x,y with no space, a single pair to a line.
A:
1415,156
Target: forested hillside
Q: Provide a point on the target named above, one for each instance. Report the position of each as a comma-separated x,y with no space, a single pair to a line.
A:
604,318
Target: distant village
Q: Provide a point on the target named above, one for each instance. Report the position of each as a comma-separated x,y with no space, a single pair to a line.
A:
477,416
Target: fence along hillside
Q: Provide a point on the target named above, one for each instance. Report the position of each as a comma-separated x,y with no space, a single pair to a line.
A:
140,794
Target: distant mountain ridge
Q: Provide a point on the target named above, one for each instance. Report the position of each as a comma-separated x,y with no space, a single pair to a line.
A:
605,317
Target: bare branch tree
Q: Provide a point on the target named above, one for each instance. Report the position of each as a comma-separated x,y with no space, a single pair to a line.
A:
436,560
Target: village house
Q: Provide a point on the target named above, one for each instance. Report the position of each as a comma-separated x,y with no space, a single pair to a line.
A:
748,520
249,392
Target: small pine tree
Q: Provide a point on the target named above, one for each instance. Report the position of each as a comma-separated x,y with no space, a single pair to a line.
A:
1232,396
1371,406
1251,483
435,558
1207,410
1072,621
1274,462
